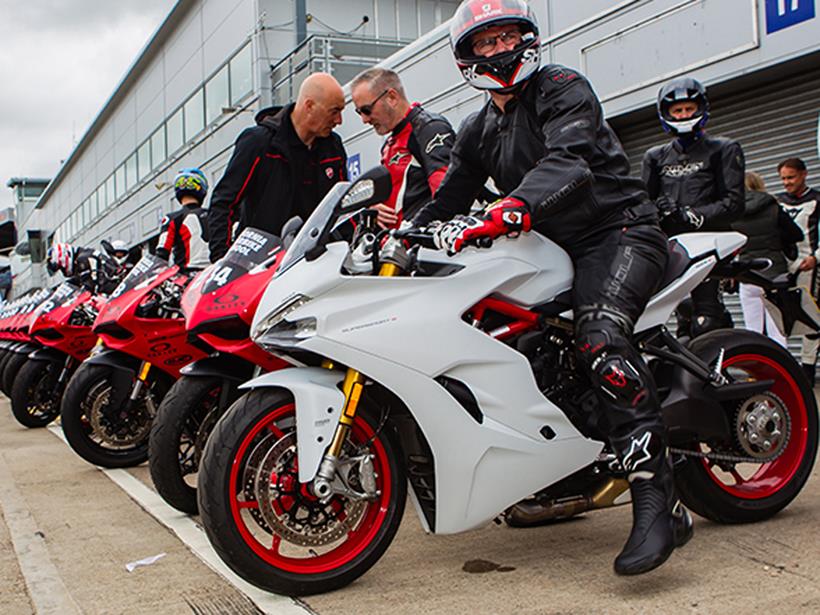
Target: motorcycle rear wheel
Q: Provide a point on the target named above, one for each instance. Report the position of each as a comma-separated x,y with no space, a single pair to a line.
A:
319,547
85,392
35,402
749,492
178,436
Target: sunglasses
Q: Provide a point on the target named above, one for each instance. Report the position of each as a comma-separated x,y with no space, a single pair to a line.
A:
368,109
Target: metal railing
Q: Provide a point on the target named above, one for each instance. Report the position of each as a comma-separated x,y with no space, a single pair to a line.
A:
341,56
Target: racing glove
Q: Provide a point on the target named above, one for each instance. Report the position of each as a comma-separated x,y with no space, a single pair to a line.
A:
688,218
665,205
509,216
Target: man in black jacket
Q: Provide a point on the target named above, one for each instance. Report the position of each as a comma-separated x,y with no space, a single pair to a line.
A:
543,140
417,148
696,181
282,167
802,203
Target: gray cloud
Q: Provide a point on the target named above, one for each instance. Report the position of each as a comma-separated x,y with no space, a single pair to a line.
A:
60,63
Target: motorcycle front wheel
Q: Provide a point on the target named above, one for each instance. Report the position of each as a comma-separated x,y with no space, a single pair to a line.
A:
104,436
181,428
270,528
35,395
10,369
775,432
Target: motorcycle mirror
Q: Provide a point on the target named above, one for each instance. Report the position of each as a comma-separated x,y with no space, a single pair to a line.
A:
109,249
370,188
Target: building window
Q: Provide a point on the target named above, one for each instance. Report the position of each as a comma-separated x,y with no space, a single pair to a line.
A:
241,74
158,147
109,191
143,160
194,115
216,95
98,201
87,217
131,171
174,131
119,182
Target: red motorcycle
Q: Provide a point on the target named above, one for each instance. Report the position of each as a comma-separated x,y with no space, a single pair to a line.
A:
219,306
17,344
112,398
61,329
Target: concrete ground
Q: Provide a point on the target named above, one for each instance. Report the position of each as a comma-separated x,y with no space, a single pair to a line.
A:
67,532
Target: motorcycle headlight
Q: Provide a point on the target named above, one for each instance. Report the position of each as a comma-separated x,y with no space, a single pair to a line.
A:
277,317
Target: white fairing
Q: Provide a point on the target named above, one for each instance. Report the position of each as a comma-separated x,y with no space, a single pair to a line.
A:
403,332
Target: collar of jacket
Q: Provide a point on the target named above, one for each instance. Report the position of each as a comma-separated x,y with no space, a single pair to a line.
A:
415,109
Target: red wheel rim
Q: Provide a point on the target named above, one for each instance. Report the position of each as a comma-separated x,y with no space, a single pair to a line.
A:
357,540
769,478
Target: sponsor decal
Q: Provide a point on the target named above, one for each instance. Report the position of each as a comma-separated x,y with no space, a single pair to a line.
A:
397,158
682,170
638,452
329,172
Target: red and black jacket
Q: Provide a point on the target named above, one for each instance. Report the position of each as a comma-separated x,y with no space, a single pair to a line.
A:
417,154
272,177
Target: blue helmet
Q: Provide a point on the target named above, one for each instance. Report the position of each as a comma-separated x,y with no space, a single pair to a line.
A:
191,181
680,90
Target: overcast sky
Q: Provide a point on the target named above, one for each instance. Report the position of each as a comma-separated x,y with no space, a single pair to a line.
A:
60,60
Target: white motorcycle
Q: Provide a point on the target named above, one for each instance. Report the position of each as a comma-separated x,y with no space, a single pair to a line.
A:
457,375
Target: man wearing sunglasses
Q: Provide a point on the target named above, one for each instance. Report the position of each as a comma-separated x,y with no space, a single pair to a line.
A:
543,139
282,167
417,148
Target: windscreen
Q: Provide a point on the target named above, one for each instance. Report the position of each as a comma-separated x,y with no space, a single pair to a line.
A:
147,267
63,293
313,229
252,248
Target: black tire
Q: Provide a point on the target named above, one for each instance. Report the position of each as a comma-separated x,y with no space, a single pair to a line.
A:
261,417
84,394
178,436
10,368
35,398
4,358
770,487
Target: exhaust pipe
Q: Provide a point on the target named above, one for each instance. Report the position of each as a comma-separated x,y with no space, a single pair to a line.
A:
531,512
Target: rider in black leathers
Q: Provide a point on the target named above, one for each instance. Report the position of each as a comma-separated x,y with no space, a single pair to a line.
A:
543,140
87,267
696,181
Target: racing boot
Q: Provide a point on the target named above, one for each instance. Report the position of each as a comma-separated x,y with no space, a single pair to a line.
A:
659,521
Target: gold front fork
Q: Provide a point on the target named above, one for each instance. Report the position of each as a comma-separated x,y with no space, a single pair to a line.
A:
352,388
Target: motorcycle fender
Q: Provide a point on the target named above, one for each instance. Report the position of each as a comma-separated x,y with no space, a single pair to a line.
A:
693,408
319,403
116,359
47,354
220,366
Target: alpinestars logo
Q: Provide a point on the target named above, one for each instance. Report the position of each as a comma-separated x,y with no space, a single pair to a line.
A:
638,452
682,170
397,158
436,141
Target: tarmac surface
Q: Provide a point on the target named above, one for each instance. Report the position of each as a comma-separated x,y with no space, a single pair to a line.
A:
68,530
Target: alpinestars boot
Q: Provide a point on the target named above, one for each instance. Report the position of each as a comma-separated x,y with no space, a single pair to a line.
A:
659,521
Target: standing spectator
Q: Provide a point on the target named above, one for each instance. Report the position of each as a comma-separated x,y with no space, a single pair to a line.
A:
282,167
417,150
801,203
768,229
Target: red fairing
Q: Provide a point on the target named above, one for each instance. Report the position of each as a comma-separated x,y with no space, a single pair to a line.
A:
159,341
51,326
222,317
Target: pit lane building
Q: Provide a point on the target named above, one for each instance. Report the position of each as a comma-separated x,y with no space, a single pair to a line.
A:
213,63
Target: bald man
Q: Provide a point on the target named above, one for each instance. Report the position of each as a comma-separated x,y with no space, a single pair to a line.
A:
282,167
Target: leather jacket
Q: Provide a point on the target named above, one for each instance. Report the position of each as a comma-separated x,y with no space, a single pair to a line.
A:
550,148
706,176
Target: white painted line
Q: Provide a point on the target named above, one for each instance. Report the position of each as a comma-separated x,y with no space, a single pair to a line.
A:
48,593
193,536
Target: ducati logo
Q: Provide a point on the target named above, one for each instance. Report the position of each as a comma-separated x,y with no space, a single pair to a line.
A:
436,141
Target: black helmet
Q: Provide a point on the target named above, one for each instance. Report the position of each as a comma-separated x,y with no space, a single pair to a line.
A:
679,90
503,71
